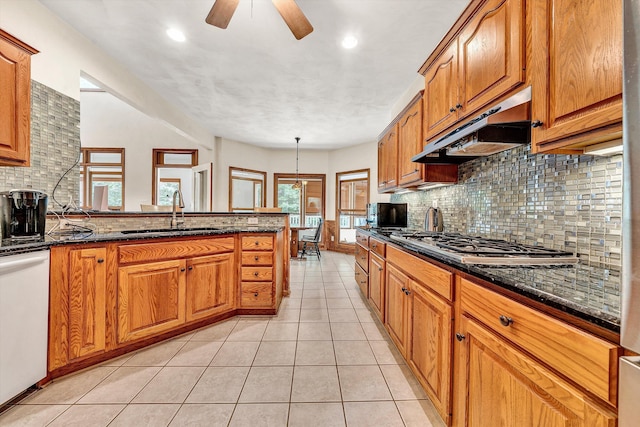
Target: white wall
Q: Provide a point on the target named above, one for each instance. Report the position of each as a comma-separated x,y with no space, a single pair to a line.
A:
65,54
106,121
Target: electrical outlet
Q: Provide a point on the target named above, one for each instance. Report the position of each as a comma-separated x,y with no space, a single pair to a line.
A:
253,220
68,224
332,238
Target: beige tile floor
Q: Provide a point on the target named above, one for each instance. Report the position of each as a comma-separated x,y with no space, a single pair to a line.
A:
324,360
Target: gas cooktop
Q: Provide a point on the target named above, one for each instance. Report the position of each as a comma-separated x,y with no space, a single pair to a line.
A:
481,250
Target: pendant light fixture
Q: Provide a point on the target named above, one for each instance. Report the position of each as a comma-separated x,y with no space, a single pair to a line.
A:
297,185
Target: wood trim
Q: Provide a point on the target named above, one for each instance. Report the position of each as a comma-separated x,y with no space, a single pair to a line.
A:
321,176
157,160
336,245
18,43
264,185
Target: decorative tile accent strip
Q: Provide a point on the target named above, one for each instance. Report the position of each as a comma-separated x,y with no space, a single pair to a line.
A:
55,144
565,202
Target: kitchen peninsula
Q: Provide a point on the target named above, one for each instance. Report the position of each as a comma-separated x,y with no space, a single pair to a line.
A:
135,281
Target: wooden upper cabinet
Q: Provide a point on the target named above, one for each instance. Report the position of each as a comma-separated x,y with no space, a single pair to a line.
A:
388,160
441,92
483,62
576,72
410,143
491,54
15,101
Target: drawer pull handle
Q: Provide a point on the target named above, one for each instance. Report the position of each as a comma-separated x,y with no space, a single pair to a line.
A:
256,273
460,337
100,260
255,294
256,258
505,321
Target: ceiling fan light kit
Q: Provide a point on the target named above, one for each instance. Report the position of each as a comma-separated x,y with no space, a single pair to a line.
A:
223,10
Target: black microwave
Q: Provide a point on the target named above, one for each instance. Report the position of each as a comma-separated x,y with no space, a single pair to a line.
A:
387,215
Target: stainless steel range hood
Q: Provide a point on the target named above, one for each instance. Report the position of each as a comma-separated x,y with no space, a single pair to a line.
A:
504,126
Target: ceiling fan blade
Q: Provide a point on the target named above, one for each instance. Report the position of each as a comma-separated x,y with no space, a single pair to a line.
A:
221,13
293,16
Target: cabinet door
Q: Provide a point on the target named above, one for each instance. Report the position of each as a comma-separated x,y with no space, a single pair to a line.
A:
397,286
429,352
388,160
491,54
151,298
210,286
409,144
577,69
376,284
504,387
87,292
441,92
15,102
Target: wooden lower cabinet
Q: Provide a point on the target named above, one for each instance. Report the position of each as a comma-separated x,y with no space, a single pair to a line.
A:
210,286
78,293
397,306
498,385
429,351
151,298
377,284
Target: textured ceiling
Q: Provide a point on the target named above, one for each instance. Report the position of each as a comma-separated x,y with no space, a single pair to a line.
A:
254,82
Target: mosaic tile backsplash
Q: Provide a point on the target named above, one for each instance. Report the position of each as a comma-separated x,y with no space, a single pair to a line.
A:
565,202
55,144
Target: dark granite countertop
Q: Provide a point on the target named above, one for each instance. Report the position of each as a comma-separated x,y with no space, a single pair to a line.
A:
590,293
18,247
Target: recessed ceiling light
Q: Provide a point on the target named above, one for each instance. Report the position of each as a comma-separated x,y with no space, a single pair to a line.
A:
175,34
349,42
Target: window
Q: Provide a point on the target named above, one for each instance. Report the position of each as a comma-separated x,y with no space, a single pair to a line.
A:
102,167
172,170
247,189
304,206
353,195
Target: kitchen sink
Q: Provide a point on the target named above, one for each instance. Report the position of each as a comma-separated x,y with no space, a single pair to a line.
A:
168,230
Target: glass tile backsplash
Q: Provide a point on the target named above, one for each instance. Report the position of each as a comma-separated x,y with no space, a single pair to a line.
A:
566,202
55,144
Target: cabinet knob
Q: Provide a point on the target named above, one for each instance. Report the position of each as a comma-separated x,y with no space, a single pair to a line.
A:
255,294
255,273
374,246
452,110
255,258
379,268
458,106
190,267
182,269
505,321
257,243
100,260
407,292
536,124
459,336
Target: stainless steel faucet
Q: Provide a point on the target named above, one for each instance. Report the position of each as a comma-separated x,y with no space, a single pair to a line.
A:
177,198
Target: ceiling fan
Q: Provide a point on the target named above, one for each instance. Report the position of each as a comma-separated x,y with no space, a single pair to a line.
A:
222,11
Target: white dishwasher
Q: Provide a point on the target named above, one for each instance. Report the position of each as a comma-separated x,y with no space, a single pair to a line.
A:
24,316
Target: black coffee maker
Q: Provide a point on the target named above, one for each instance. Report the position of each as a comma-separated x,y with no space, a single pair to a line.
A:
22,214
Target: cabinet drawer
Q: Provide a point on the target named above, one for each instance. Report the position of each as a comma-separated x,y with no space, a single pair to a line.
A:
377,246
435,278
145,252
362,257
589,361
363,280
260,243
257,258
257,273
256,294
363,239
